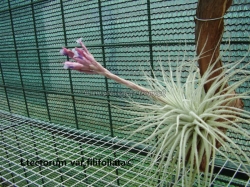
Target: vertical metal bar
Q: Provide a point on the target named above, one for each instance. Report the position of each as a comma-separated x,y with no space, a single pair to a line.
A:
70,77
56,151
151,59
36,151
39,60
150,36
5,89
106,81
18,63
84,167
20,152
104,64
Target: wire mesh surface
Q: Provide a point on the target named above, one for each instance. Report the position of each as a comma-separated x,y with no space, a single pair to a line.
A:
123,36
35,153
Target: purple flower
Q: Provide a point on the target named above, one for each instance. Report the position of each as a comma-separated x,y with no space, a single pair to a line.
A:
66,52
78,53
85,61
77,66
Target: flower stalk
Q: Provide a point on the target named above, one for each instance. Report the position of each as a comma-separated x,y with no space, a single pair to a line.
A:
86,63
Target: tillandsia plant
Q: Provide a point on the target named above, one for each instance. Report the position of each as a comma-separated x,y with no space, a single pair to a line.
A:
187,123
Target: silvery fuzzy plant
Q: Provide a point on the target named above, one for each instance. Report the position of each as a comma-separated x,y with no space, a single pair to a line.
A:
188,125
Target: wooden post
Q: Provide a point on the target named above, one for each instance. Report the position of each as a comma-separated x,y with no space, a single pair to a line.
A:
208,34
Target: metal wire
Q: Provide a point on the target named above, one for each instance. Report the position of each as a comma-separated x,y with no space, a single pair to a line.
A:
33,140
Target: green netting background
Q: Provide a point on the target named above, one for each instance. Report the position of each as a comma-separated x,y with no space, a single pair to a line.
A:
122,35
